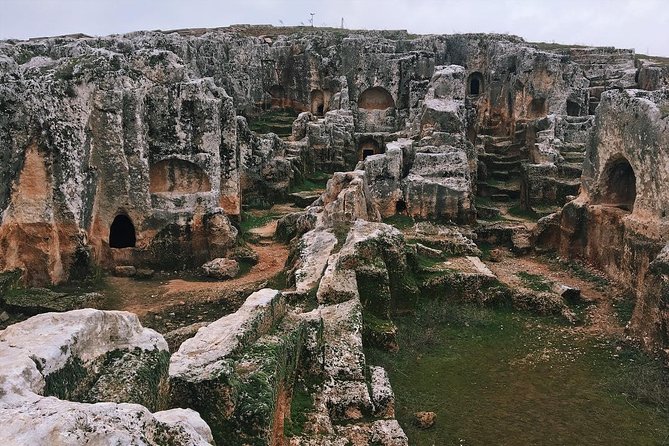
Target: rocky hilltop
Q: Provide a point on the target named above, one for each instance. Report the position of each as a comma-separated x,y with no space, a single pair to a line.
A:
144,151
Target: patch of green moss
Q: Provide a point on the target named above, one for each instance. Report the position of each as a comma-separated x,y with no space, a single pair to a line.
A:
400,221
69,382
274,121
624,307
534,281
517,211
301,404
424,262
581,271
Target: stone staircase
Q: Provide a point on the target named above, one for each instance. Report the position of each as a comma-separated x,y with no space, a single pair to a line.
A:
547,186
500,159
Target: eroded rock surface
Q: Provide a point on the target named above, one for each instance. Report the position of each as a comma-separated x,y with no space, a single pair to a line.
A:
52,360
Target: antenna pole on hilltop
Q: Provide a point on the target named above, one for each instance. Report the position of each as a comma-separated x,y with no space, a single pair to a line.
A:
312,18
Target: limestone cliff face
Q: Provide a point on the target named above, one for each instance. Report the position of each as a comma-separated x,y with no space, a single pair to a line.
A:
95,135
130,148
619,221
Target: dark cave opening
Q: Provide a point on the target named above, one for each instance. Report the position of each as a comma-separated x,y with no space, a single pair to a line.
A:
122,232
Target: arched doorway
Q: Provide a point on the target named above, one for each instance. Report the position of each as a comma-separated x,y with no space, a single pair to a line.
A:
619,184
475,84
122,232
376,98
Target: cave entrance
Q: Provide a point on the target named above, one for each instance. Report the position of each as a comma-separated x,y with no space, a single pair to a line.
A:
376,98
367,152
619,184
573,109
367,148
538,107
475,84
122,232
318,102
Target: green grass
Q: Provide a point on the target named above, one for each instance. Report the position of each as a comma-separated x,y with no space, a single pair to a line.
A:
534,281
624,308
274,121
314,182
494,377
301,404
400,221
581,271
251,221
425,262
517,211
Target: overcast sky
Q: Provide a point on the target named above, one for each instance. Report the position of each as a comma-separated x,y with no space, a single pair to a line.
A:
639,24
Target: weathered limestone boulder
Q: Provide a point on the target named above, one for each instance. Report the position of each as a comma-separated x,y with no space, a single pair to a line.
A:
221,268
337,284
202,357
376,254
348,394
345,200
343,357
314,249
300,125
238,371
383,396
653,76
372,266
451,240
383,174
75,343
50,422
41,300
51,361
267,173
331,143
444,103
439,185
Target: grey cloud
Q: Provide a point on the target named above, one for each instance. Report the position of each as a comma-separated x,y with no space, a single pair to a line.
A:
639,24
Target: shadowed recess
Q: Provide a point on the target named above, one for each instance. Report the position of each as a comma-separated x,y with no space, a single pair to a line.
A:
122,232
376,98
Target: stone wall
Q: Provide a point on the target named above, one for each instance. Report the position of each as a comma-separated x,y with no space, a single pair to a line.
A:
619,221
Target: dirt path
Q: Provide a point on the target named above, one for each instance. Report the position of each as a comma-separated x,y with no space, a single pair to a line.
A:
601,315
166,303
